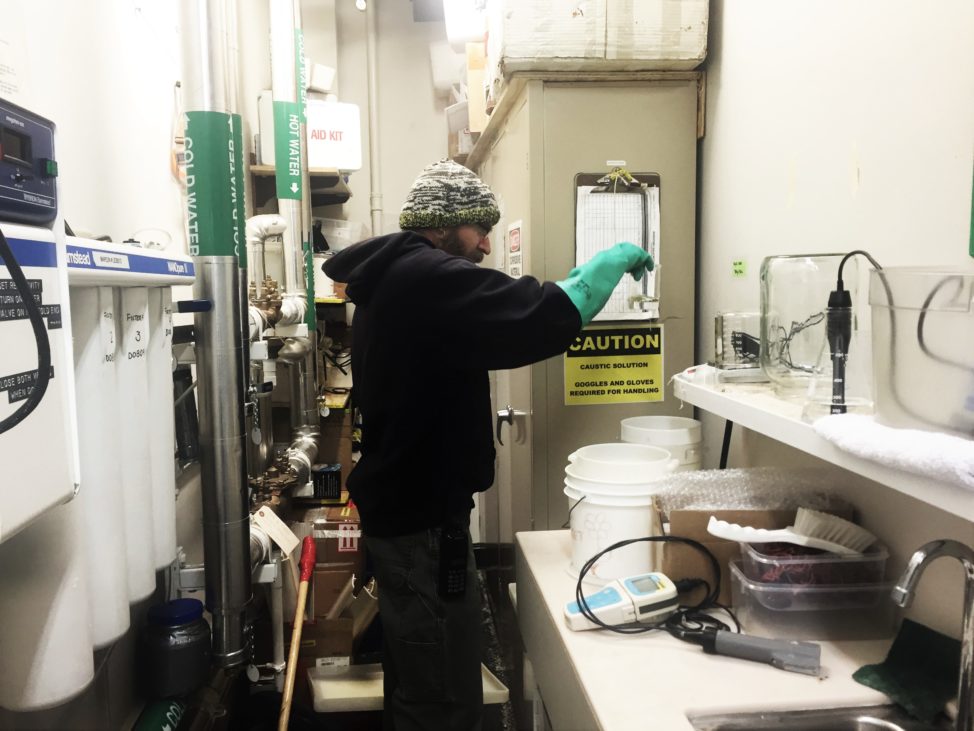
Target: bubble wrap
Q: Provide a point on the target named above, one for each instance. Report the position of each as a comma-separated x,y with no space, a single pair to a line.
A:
756,488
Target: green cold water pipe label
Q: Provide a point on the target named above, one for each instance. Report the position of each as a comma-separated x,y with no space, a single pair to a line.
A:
237,191
214,224
287,149
161,716
301,74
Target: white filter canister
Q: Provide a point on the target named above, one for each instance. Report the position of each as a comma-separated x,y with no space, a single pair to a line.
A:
162,444
100,497
45,636
678,435
133,391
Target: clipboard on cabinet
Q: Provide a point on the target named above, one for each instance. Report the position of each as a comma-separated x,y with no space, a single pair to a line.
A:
620,206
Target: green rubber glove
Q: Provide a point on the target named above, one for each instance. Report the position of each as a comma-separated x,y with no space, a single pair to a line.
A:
590,285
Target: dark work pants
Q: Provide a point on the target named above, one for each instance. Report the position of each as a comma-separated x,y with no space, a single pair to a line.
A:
431,654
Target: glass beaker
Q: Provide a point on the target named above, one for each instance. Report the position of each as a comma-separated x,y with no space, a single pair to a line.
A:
794,297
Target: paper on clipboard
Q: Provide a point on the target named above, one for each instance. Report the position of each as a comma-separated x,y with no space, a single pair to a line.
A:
604,219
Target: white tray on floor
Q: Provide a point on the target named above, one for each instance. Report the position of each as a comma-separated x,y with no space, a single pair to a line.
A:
359,688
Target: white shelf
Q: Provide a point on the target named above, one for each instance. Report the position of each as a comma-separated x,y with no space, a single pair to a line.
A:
755,407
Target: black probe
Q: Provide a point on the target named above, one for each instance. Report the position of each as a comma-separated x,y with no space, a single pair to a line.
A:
838,331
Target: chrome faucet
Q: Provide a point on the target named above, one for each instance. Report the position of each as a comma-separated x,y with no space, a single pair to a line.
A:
903,596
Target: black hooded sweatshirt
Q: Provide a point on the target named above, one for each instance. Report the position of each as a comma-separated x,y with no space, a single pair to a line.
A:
428,326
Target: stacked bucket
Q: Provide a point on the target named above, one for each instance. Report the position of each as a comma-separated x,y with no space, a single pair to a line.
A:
611,492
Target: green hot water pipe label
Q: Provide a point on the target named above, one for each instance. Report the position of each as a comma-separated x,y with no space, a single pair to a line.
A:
213,192
287,149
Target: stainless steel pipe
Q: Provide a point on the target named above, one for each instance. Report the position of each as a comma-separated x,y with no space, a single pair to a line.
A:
226,517
216,236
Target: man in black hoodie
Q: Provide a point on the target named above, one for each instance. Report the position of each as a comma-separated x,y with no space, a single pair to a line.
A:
429,324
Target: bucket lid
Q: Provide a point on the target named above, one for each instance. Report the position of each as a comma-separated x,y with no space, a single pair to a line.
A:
660,430
635,500
178,611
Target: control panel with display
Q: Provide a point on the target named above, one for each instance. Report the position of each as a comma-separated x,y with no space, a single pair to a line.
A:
28,168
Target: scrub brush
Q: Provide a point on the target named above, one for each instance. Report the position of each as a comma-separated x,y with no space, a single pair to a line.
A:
811,528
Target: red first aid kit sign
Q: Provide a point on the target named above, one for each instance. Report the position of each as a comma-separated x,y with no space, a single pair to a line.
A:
334,135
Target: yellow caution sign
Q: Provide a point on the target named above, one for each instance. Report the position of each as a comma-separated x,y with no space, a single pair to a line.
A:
615,366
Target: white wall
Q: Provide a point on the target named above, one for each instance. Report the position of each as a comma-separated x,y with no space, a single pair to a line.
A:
412,128
104,72
831,127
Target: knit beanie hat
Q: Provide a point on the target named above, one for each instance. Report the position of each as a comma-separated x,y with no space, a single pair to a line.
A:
446,195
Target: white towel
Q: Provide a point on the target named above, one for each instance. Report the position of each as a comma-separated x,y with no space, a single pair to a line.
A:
931,454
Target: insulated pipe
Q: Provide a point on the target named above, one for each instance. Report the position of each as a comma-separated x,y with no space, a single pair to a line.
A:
259,229
375,177
277,624
237,189
216,240
287,151
260,547
307,258
299,354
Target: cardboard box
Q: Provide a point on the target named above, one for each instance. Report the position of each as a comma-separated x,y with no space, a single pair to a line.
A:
338,637
337,532
594,35
681,561
338,535
476,95
329,581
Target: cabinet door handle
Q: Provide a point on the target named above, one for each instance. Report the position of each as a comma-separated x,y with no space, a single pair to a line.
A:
507,415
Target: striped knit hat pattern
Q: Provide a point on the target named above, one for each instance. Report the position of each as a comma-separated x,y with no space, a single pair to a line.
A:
446,195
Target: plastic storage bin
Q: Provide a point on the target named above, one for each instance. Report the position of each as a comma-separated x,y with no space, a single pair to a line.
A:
816,612
923,341
762,563
342,234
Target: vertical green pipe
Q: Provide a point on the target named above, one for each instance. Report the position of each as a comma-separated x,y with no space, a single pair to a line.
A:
301,74
210,170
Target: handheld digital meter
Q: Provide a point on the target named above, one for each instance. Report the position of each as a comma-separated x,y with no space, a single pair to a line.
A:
645,598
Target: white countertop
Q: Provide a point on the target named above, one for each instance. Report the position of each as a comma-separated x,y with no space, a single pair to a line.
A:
600,680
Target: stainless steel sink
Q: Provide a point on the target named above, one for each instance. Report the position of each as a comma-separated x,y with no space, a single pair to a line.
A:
864,718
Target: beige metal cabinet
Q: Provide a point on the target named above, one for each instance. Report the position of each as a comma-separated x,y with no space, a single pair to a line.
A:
543,132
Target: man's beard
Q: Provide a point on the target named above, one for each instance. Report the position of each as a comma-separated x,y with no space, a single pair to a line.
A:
451,244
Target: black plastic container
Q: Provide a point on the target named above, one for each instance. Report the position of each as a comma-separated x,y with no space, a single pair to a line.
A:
174,649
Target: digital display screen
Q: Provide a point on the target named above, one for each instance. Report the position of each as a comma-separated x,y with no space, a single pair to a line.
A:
645,584
14,146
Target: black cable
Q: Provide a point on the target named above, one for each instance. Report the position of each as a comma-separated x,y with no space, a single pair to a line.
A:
577,503
838,331
40,337
725,446
894,388
687,622
922,319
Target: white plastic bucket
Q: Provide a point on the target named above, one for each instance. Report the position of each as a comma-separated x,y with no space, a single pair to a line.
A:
619,463
597,521
678,435
617,489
